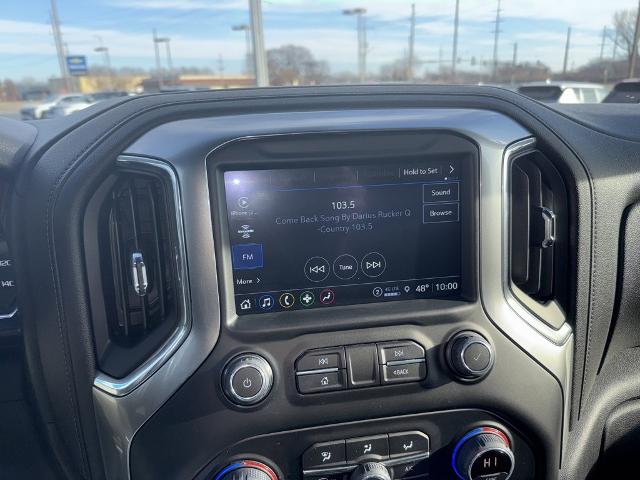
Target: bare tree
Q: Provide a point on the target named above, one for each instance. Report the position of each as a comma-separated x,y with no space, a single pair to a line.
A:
295,65
623,32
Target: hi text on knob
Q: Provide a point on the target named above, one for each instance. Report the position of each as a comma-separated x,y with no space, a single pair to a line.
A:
483,453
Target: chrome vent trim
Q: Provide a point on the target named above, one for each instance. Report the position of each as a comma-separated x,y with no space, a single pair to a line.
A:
557,337
119,387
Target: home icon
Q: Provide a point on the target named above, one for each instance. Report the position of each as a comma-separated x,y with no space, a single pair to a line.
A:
245,304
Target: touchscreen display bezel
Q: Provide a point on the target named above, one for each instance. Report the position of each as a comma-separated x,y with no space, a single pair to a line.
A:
301,151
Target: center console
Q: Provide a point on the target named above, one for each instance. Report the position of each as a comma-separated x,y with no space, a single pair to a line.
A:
366,326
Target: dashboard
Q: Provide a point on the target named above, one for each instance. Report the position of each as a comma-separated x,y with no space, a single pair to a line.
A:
325,284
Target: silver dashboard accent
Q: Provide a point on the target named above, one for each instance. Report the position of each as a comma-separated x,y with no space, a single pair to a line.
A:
498,138
123,386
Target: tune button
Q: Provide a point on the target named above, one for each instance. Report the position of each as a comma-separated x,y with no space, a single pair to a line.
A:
345,266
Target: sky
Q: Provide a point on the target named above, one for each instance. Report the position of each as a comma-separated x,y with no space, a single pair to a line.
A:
201,34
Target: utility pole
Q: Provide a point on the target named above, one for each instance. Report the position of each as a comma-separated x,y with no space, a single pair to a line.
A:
57,38
604,37
362,40
259,54
247,38
157,52
514,62
566,51
454,57
412,39
634,49
615,46
496,36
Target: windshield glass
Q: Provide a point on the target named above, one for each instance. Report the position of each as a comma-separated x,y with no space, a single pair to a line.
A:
116,48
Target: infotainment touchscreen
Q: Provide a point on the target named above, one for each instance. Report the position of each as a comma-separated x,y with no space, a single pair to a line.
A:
309,238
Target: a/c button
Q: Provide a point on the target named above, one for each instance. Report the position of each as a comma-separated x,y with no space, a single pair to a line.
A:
247,382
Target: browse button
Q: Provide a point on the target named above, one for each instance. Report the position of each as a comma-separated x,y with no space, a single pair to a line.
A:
440,212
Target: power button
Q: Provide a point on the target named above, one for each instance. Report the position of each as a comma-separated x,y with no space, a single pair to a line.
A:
247,379
247,382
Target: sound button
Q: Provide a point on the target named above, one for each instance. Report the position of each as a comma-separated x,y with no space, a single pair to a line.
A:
317,269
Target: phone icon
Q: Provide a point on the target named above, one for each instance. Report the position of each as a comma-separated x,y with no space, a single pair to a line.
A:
287,300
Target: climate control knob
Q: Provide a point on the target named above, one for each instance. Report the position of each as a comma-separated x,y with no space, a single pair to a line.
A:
470,355
371,471
483,453
246,470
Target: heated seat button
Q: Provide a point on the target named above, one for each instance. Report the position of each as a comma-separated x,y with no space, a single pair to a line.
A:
362,365
321,382
367,448
320,455
399,351
320,359
408,443
408,372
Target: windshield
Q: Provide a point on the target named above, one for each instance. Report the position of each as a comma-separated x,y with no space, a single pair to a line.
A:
115,48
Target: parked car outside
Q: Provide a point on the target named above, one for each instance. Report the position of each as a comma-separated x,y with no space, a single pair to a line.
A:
37,111
564,92
627,91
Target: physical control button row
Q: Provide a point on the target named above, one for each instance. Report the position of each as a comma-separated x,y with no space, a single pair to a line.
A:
359,366
386,448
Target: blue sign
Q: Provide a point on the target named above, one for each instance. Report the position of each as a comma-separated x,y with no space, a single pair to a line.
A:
77,64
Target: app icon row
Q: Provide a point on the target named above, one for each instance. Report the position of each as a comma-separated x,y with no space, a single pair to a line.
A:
287,300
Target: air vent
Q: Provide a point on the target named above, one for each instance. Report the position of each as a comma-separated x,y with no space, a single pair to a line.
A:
138,252
539,231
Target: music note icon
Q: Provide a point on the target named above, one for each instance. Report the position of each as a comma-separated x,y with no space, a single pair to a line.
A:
266,302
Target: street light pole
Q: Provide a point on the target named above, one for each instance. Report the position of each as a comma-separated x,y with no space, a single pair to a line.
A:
362,40
57,37
566,51
107,59
259,53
